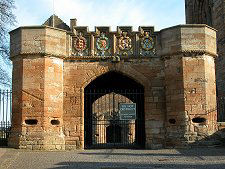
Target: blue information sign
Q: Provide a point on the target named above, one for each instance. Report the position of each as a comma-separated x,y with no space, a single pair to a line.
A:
127,111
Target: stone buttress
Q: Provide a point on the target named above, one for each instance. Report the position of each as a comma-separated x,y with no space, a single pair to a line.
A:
52,67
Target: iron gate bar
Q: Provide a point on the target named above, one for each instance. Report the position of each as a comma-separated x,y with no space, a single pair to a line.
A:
6,110
97,102
5,115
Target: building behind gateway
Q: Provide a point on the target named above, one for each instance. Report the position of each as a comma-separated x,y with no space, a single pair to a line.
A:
70,84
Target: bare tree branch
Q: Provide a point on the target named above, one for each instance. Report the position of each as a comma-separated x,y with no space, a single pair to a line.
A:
7,20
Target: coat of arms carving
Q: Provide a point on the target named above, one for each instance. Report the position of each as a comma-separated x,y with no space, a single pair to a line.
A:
102,44
80,45
147,45
125,45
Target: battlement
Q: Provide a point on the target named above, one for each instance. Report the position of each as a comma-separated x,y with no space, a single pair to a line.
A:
81,43
57,71
55,38
103,43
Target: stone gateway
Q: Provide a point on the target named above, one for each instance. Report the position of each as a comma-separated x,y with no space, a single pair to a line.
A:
68,84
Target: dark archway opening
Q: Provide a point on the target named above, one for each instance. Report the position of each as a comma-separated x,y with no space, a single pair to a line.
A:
113,134
114,80
101,113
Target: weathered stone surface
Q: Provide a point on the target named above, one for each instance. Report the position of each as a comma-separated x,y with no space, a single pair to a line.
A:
39,40
188,38
49,84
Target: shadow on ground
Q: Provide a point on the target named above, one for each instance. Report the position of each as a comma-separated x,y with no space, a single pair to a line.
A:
161,159
4,147
192,152
109,165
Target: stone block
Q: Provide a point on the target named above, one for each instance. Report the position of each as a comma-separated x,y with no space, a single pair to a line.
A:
50,81
154,124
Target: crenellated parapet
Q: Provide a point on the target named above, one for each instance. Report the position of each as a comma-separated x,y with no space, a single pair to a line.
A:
54,66
104,43
82,44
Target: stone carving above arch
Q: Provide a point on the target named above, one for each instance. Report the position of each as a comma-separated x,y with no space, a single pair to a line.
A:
125,41
147,41
103,44
80,42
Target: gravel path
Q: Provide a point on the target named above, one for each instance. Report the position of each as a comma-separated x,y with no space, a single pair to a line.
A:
198,158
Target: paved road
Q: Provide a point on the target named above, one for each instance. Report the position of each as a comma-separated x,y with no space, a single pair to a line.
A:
198,158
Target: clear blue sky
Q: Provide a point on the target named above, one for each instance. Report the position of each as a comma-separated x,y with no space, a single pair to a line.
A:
158,13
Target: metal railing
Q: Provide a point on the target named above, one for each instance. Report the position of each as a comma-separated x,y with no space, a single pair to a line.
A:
5,115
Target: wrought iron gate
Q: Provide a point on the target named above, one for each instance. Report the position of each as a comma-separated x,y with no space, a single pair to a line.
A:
103,127
5,115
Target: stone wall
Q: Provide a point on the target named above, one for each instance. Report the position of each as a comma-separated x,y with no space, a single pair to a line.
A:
37,101
49,82
219,24
190,94
216,10
77,75
199,11
37,90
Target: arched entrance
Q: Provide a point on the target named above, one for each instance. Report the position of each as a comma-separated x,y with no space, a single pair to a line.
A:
113,133
104,128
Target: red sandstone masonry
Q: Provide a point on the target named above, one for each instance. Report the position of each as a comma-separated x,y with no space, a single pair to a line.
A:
49,83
